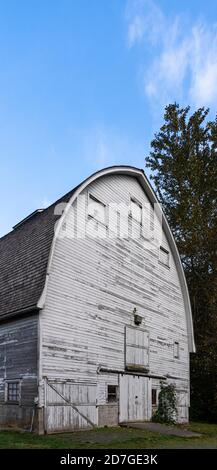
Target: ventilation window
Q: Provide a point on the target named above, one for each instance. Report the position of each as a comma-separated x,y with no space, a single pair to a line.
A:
164,256
13,391
112,393
176,350
154,397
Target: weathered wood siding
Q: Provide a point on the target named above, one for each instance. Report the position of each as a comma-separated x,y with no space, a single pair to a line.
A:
68,404
108,413
18,362
95,285
135,396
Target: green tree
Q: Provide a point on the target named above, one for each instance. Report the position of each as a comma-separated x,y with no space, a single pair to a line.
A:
183,160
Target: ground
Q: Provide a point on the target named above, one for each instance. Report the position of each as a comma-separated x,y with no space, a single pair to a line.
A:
112,438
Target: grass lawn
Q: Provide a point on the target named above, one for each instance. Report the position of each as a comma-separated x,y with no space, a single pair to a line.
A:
112,438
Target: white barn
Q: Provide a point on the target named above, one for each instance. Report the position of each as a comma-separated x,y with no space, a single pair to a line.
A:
94,309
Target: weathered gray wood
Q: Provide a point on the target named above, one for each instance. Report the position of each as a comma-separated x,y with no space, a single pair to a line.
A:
70,406
93,288
69,402
135,396
18,361
85,338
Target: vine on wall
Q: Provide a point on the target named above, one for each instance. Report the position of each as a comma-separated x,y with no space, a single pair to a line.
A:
167,405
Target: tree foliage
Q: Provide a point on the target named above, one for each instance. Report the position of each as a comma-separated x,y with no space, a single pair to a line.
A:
183,160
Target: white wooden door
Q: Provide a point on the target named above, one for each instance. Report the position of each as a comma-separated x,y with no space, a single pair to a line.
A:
69,406
183,406
135,398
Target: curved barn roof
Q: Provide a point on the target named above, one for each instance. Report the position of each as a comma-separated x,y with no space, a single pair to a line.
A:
26,253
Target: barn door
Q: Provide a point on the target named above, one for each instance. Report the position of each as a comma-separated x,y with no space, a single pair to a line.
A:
183,406
69,406
135,398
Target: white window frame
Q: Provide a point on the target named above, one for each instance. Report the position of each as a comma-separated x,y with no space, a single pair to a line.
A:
13,381
90,216
165,251
139,204
176,350
156,390
116,395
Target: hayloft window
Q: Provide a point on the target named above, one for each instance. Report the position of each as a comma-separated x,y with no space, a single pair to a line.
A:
176,350
164,256
136,348
136,210
13,392
112,393
96,209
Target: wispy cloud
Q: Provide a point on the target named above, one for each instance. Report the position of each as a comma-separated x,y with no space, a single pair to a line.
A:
145,19
204,64
182,58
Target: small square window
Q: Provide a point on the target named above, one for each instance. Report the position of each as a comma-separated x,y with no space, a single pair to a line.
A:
154,397
112,393
164,256
13,391
176,350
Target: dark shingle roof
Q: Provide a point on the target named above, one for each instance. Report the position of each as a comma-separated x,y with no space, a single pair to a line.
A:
24,254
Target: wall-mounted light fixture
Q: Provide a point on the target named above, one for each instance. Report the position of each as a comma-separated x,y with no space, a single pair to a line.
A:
137,318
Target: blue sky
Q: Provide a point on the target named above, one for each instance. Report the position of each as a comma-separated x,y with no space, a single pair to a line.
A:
83,85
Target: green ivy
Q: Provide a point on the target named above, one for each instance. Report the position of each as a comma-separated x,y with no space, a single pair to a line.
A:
167,405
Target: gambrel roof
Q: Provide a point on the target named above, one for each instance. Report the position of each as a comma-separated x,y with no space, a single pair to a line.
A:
26,253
